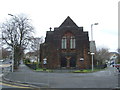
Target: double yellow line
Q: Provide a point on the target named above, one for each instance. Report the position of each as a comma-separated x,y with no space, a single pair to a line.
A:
13,85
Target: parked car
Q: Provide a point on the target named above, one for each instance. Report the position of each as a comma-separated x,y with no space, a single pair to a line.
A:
117,66
1,60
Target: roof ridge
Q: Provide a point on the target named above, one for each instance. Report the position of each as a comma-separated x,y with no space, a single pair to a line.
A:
68,22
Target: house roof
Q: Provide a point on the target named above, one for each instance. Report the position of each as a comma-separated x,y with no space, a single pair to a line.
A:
68,22
113,53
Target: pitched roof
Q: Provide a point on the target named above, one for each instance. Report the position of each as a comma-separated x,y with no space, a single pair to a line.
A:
68,22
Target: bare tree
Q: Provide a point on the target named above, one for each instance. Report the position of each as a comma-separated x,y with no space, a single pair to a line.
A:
101,55
5,53
17,33
35,46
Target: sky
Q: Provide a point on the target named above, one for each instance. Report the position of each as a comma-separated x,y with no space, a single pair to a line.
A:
51,13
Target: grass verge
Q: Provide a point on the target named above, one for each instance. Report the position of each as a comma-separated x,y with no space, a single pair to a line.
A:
87,70
43,69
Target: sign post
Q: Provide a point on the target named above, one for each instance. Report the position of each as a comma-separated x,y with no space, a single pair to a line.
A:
92,61
45,61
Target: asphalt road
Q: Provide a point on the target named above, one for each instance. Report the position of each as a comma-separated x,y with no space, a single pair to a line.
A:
103,79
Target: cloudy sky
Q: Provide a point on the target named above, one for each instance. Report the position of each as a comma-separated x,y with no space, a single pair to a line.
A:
51,13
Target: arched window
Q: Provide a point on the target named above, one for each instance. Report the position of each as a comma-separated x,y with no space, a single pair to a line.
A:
68,41
64,42
72,42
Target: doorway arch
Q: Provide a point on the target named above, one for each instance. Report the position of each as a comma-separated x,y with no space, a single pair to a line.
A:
63,62
73,62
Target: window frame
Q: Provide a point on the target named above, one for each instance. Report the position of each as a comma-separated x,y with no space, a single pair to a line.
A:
68,41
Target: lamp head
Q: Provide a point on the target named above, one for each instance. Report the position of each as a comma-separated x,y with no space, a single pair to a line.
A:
95,23
10,14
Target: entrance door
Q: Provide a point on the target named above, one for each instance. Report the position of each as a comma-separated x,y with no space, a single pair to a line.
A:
63,62
73,62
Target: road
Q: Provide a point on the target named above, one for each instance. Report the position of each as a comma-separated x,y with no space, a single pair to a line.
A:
17,87
5,67
102,79
5,85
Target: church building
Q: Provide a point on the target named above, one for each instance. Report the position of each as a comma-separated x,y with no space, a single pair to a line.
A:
67,46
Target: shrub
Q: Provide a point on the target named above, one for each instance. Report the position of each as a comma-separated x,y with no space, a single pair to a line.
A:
27,61
32,66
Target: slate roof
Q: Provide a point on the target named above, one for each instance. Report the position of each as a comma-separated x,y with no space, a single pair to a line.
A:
68,22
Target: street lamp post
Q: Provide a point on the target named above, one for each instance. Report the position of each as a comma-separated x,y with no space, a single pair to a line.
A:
13,57
92,30
92,52
13,47
92,61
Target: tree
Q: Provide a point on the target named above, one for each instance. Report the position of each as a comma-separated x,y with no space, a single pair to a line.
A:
5,53
17,33
35,45
101,55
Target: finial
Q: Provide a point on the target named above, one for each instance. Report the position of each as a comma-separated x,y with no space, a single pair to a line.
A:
50,28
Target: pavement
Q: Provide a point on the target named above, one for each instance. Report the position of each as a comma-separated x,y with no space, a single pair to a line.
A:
103,79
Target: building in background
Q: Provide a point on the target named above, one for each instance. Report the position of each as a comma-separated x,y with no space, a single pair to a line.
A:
113,58
66,47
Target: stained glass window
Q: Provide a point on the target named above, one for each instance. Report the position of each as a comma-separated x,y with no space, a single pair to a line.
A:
68,41
72,42
64,43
